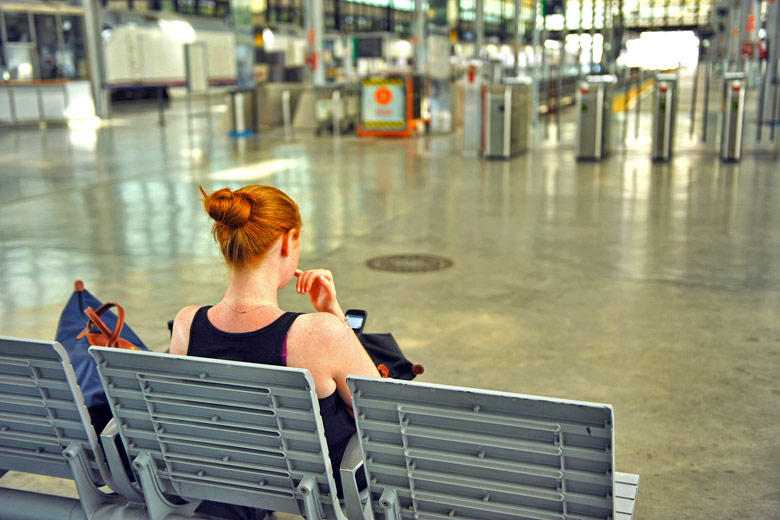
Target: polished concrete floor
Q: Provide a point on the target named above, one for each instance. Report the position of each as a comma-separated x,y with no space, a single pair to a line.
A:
654,287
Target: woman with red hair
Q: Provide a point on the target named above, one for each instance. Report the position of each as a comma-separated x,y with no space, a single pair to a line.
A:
258,229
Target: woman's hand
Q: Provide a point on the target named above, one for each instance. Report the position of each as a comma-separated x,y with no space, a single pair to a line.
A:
319,285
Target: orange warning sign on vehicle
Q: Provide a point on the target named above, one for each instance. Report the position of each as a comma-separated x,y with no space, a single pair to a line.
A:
383,106
383,96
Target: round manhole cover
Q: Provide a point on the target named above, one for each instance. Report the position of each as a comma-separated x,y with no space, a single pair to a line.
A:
409,263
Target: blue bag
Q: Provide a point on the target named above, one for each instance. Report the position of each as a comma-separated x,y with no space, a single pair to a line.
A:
70,329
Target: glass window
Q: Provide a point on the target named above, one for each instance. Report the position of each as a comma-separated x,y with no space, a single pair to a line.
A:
73,61
48,46
17,27
509,9
573,15
20,62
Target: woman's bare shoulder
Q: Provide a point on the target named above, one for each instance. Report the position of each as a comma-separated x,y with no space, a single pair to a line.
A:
180,339
319,326
185,316
319,329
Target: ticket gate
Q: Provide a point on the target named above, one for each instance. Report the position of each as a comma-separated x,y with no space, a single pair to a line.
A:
242,112
735,85
507,111
664,116
594,115
472,111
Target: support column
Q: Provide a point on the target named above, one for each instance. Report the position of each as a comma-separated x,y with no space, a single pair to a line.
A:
307,29
479,28
318,30
307,18
419,37
349,56
734,35
537,47
245,43
593,32
92,23
773,21
519,33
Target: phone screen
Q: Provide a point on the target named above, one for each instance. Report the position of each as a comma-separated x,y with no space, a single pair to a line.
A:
355,322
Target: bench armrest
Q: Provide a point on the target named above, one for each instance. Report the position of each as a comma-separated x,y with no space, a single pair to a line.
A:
350,464
121,481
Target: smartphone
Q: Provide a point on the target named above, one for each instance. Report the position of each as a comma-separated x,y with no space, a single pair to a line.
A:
356,318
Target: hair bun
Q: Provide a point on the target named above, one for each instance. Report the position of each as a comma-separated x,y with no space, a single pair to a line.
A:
229,208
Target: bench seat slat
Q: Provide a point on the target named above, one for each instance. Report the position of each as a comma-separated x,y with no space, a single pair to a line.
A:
456,501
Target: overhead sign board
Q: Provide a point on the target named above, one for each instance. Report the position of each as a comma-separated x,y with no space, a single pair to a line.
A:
369,46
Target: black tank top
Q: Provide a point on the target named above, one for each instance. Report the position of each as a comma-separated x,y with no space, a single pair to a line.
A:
266,346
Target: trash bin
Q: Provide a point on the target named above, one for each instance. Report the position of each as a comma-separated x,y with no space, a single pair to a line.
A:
664,116
507,110
594,115
242,112
734,87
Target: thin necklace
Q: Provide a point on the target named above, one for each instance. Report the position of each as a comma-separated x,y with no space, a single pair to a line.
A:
248,310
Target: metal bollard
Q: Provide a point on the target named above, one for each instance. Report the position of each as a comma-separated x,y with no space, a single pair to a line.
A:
733,116
336,111
242,112
286,114
664,116
594,114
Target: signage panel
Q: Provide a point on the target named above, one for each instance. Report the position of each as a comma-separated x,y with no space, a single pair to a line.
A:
384,104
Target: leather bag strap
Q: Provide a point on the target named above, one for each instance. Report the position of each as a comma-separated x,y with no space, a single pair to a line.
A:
95,321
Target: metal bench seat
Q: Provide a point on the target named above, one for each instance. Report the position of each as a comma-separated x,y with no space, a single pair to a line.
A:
45,429
437,452
239,433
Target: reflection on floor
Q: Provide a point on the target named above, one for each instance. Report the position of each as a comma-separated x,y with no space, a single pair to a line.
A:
655,287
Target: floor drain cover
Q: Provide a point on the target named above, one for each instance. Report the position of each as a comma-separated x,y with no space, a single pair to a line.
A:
409,263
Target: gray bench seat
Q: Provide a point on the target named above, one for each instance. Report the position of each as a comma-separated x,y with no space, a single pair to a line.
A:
240,433
444,452
45,429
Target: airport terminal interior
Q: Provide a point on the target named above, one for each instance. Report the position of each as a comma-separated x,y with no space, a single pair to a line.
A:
568,199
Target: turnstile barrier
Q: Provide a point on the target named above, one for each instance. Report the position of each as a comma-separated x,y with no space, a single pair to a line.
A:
242,112
664,116
735,86
594,115
507,112
472,110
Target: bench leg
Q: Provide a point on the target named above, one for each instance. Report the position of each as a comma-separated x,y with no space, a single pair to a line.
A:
121,482
157,505
311,499
90,496
389,502
351,463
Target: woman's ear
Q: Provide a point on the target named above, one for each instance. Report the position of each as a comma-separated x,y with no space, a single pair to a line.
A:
288,238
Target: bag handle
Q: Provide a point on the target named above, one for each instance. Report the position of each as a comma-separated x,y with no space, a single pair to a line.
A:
94,320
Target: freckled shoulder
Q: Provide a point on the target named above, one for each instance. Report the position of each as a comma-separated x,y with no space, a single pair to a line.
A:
319,334
180,340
